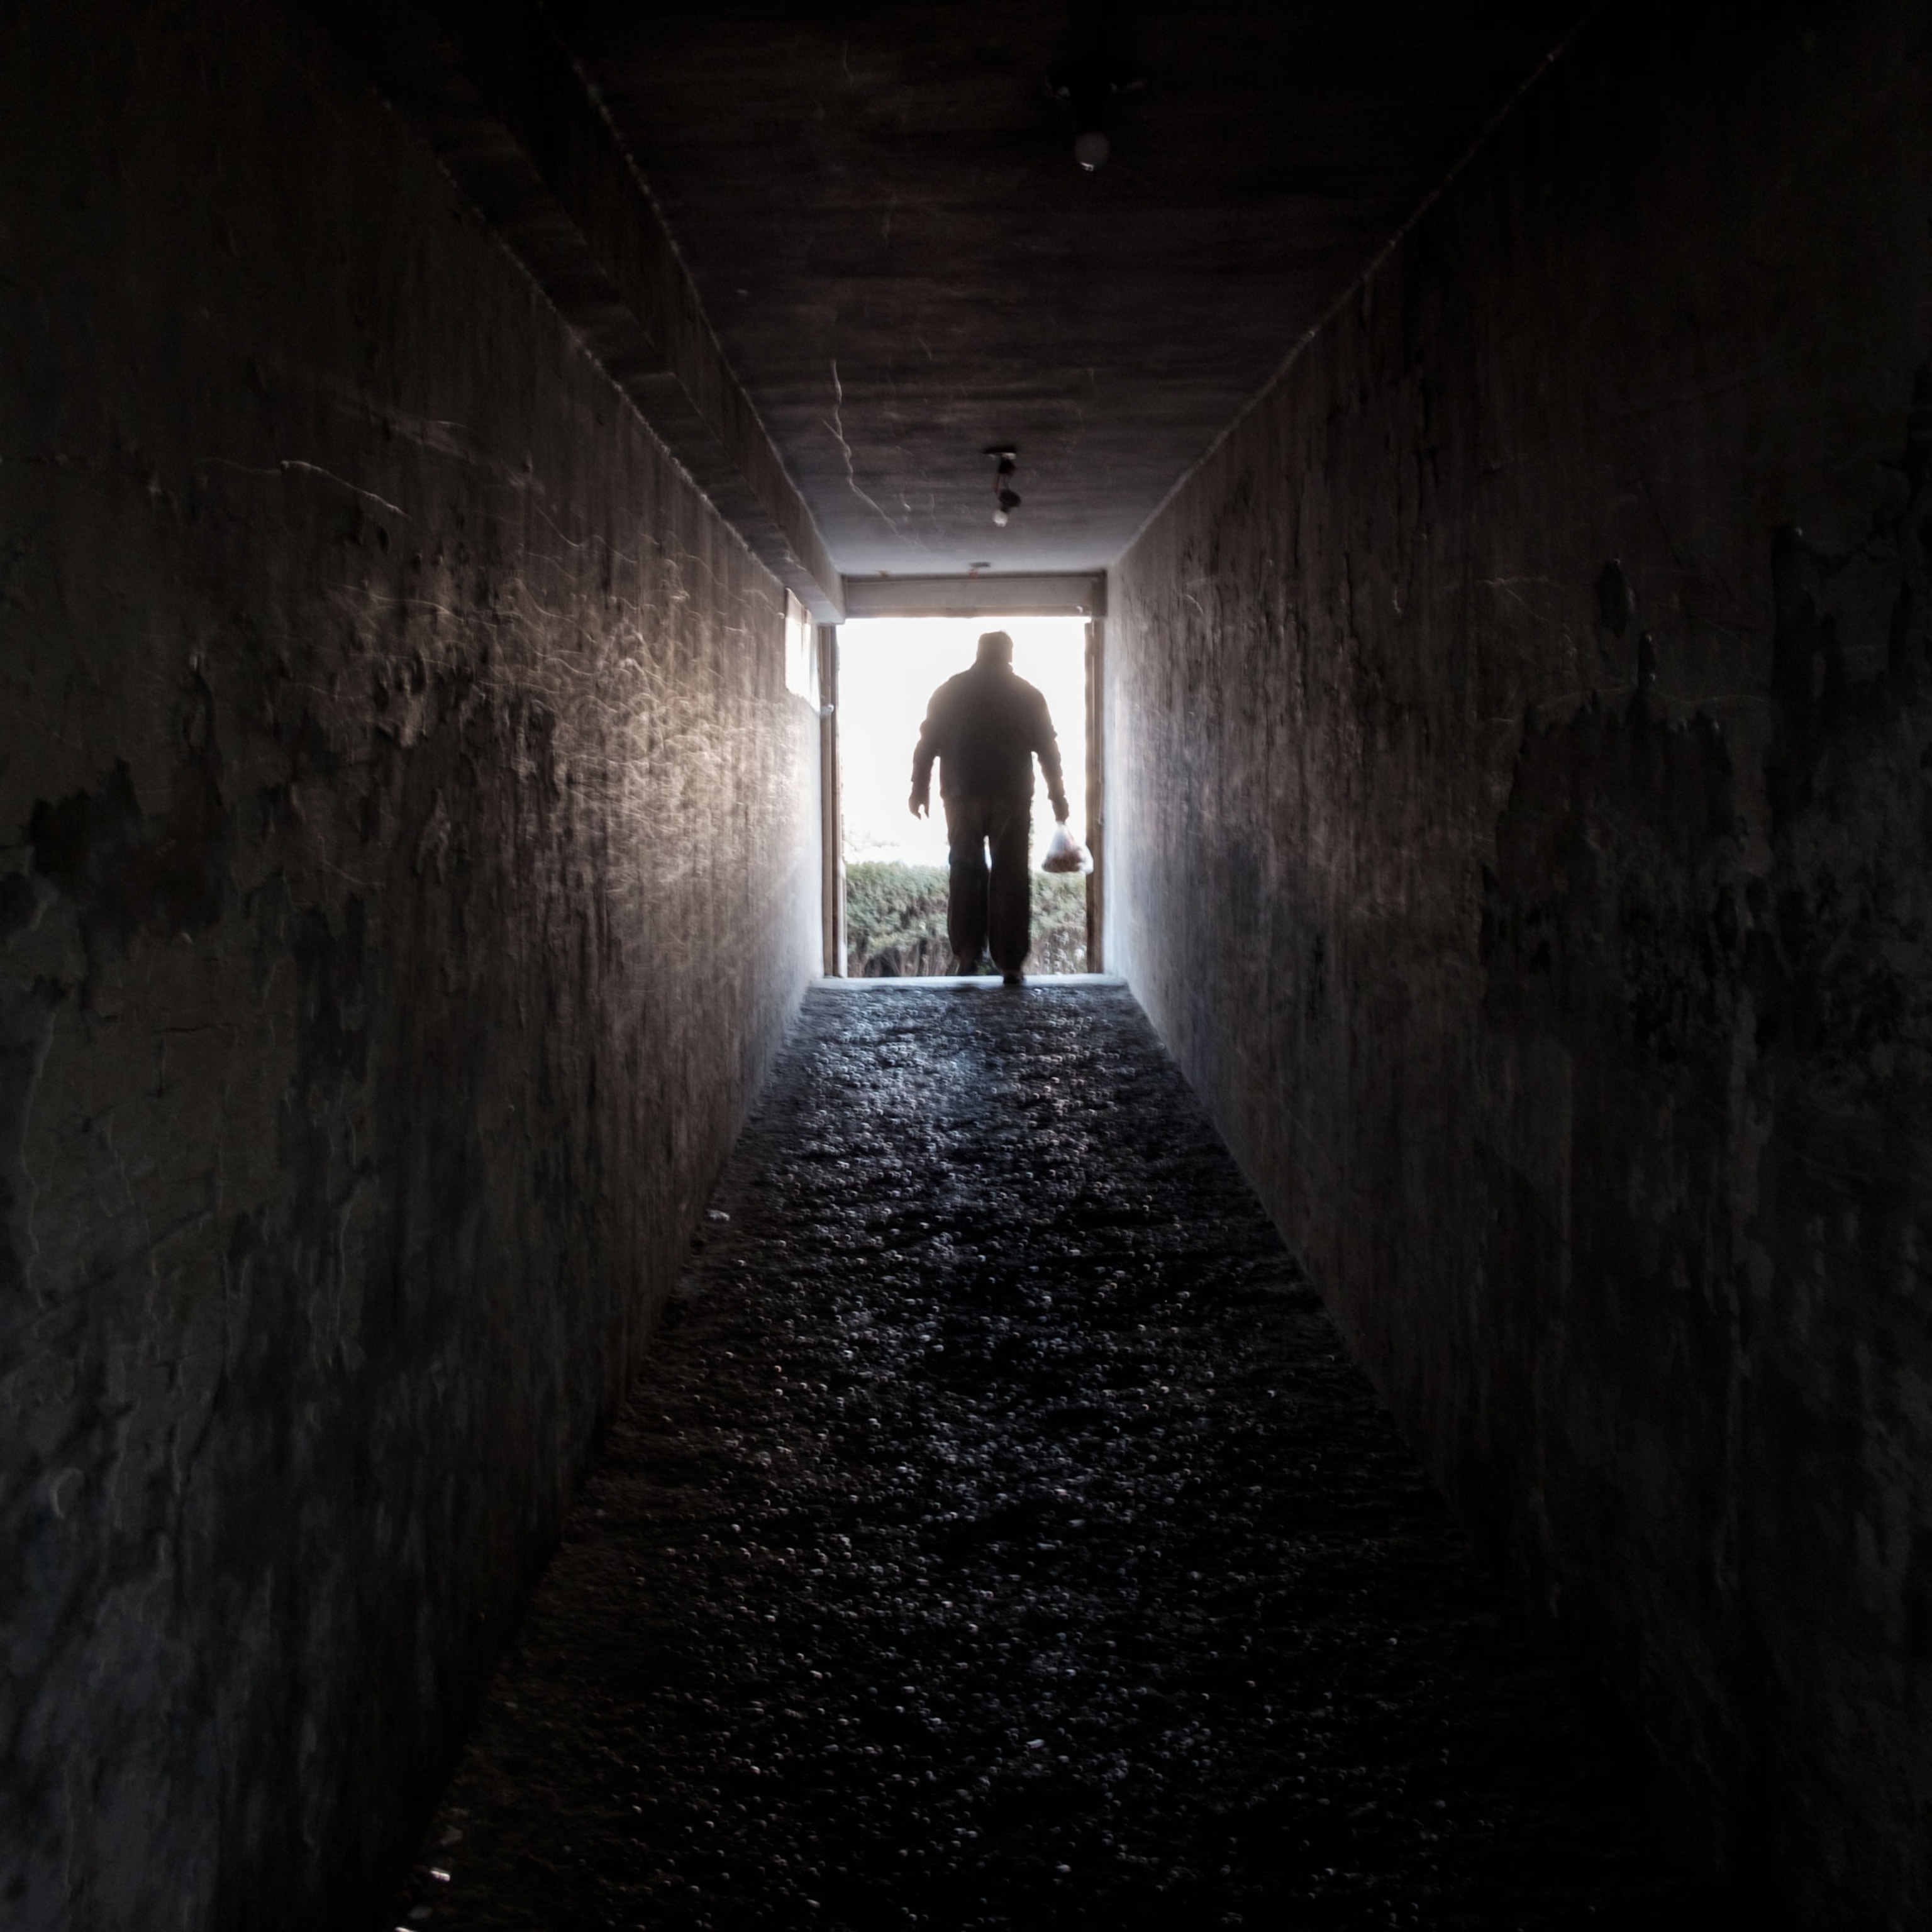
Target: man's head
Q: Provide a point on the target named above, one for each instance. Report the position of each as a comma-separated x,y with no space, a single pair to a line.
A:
995,647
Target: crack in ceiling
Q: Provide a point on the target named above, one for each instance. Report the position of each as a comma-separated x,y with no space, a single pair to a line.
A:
890,194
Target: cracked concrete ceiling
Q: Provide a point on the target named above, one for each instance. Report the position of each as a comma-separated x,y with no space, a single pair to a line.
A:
881,210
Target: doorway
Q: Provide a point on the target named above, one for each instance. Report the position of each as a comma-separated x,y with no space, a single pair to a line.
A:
893,874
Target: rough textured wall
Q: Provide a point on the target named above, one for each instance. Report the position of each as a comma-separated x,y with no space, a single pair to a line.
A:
1520,735
411,866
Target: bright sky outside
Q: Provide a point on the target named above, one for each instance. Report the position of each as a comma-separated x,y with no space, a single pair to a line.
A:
889,667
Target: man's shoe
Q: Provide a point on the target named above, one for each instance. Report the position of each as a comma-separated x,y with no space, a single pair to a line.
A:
1014,979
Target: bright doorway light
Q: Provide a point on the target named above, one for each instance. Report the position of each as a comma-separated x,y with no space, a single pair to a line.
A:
888,668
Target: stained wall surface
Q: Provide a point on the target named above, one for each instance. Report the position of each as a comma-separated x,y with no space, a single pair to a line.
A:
1520,729
409,869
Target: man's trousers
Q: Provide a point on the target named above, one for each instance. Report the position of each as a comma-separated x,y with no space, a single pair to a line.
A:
989,909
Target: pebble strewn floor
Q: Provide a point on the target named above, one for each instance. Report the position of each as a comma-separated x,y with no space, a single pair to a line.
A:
1000,1536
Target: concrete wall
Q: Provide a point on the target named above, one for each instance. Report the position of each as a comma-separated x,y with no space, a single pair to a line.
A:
1520,733
410,866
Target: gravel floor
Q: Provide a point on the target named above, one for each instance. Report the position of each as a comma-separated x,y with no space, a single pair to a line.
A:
1000,1536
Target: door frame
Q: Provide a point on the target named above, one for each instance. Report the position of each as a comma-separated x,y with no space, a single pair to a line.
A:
831,817
1062,594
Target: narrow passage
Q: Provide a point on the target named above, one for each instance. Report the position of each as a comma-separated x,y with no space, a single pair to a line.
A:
1000,1536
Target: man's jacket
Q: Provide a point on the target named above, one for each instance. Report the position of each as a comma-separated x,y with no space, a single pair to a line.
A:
985,727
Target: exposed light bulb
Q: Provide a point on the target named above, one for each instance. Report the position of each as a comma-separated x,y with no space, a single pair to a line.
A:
1091,148
1006,498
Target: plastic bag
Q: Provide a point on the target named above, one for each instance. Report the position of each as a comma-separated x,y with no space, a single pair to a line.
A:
1063,855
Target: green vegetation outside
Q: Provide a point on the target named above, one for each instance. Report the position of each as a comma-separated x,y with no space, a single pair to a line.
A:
895,922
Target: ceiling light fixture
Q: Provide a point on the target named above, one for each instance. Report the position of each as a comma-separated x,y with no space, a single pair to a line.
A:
1089,83
1091,148
1006,498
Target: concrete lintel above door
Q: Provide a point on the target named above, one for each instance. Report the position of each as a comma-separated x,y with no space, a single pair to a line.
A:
1070,594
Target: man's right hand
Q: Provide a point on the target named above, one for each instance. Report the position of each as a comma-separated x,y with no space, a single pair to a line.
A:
922,801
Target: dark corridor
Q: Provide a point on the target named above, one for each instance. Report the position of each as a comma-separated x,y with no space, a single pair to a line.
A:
1001,1537
1487,447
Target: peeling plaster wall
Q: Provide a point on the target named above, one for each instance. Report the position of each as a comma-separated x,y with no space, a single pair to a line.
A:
411,867
1519,824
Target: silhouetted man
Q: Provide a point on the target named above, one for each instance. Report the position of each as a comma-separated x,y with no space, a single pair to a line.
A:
985,727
